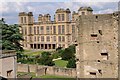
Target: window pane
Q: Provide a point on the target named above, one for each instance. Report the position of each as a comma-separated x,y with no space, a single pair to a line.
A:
63,29
54,29
62,17
59,29
58,17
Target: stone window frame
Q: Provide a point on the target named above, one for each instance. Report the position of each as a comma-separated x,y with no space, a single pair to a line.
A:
42,38
48,38
41,29
34,29
59,29
59,17
54,38
63,29
47,29
25,20
62,17
21,19
54,29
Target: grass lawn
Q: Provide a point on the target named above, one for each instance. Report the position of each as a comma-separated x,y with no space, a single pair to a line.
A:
33,53
60,63
58,77
46,76
27,50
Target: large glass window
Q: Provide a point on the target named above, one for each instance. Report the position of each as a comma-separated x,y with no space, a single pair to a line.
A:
42,29
25,20
42,38
25,30
34,30
73,28
59,29
48,38
59,17
59,38
54,29
47,29
54,38
63,18
21,19
37,29
30,38
25,38
63,29
63,38
38,38
34,38
30,30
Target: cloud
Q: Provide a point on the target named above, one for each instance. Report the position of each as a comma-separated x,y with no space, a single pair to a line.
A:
9,9
12,6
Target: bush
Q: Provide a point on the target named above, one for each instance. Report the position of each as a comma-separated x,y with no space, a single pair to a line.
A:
68,53
46,59
71,63
55,55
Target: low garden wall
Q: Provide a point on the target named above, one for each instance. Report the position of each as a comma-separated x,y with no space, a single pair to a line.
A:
43,70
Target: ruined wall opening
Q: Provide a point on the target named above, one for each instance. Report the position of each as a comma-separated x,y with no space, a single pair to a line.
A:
93,35
9,73
104,56
97,41
83,13
31,46
96,17
98,60
100,32
100,71
93,73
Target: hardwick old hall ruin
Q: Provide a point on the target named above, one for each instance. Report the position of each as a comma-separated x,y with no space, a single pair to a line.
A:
95,37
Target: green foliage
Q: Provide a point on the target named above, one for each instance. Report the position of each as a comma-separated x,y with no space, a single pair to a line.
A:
68,53
55,55
10,37
60,63
46,59
71,63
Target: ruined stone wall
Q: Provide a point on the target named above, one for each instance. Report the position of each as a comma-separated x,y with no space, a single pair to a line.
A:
8,64
43,70
70,72
97,50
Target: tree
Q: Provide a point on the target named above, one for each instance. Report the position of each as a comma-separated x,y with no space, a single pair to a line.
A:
71,63
46,59
11,37
68,53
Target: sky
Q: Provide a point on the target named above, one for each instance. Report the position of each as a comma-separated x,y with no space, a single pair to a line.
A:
10,10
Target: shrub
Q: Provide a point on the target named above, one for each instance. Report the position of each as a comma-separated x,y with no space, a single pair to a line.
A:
71,63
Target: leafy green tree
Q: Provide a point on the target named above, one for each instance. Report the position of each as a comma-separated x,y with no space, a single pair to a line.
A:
68,53
46,59
11,37
71,63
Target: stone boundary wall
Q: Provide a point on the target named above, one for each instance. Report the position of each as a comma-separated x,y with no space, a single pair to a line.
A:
43,70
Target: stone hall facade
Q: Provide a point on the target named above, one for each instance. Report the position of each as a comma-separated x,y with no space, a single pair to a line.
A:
46,34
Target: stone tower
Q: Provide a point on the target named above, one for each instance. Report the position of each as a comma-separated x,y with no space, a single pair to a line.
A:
25,18
85,11
26,22
97,49
62,15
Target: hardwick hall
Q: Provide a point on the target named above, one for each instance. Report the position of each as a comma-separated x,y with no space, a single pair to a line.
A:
45,34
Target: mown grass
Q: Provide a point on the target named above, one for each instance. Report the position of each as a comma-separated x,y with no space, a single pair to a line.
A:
57,77
60,63
46,76
30,53
27,51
